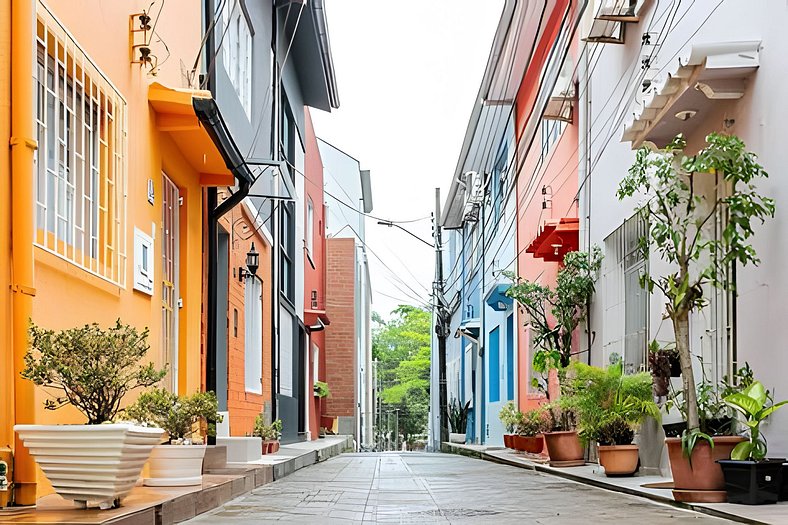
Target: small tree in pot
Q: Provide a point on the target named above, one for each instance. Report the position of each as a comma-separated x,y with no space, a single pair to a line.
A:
92,369
270,434
678,219
172,465
554,314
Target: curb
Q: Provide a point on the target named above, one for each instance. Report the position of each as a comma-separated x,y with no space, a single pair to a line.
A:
599,483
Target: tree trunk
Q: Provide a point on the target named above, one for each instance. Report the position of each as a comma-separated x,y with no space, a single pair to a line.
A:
681,330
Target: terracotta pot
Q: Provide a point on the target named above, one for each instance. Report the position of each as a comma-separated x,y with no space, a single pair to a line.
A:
618,460
507,440
565,449
530,444
705,473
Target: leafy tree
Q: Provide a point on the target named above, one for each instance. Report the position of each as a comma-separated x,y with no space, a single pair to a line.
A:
555,313
401,347
677,217
89,367
175,414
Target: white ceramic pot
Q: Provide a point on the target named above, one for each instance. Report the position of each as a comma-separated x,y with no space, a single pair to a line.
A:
90,463
456,438
175,465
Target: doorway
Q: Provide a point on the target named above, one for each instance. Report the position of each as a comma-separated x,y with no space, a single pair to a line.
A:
170,293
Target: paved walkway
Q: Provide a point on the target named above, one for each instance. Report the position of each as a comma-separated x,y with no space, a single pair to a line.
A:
437,488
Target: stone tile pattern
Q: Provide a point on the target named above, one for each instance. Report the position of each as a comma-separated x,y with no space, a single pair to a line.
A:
437,488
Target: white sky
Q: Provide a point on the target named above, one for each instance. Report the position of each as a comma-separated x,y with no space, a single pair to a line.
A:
407,74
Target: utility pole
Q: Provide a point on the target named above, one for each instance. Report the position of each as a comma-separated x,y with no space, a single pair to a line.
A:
441,324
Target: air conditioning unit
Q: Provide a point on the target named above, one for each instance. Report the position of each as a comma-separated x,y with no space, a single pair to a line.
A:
474,195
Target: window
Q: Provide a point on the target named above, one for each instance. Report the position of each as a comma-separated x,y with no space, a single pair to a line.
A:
143,259
551,132
628,301
315,362
287,267
498,187
253,335
80,186
237,51
310,227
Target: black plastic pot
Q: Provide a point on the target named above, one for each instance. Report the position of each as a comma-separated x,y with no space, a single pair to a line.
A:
713,427
752,482
784,488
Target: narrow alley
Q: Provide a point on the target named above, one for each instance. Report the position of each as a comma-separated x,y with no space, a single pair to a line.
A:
436,488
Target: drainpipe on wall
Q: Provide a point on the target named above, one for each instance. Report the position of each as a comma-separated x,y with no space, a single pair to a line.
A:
23,146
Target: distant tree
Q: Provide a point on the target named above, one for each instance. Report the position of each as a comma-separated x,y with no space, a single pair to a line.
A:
401,347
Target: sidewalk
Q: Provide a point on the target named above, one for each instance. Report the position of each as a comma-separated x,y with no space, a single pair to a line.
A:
655,488
167,505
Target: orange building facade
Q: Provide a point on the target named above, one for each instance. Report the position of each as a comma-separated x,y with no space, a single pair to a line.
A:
102,193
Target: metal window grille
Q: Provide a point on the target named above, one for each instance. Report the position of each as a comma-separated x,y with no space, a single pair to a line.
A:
80,193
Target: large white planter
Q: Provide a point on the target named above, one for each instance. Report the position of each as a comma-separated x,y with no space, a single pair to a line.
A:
90,463
175,465
456,437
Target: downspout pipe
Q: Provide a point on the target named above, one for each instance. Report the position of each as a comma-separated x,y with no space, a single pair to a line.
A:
208,113
23,146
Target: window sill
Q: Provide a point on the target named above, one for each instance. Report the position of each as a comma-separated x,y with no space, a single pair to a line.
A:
68,268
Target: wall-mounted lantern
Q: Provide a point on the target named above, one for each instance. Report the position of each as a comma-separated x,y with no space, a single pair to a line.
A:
252,264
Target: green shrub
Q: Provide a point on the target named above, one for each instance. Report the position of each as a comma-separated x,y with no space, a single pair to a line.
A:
267,432
321,389
533,422
510,416
175,414
615,431
89,367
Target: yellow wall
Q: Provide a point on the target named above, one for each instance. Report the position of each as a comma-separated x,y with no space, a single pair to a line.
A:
68,296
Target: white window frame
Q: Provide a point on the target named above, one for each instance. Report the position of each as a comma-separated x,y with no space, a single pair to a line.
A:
237,51
310,227
253,335
144,256
81,160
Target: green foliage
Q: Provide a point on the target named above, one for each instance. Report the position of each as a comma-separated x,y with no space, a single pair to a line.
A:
554,314
175,414
321,389
89,367
510,416
458,415
754,404
270,432
678,219
401,347
533,422
602,395
615,431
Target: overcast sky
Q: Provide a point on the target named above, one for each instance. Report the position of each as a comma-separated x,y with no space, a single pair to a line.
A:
408,72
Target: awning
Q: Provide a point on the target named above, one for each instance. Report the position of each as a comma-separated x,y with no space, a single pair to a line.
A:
469,328
192,119
556,238
497,298
680,100
315,317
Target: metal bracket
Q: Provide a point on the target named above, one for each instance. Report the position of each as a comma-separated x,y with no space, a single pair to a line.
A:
21,288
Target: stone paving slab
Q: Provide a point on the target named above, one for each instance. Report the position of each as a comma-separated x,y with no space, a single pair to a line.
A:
437,488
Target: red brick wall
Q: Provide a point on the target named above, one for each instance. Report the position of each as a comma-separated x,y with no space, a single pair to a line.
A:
244,406
340,348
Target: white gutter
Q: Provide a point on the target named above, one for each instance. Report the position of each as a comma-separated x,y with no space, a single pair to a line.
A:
325,51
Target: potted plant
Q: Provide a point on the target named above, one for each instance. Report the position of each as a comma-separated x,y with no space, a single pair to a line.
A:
270,434
321,389
530,431
750,477
510,417
553,314
663,363
611,405
562,440
91,369
458,420
178,462
677,217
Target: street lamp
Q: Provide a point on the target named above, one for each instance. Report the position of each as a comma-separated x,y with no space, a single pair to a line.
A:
252,264
390,224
